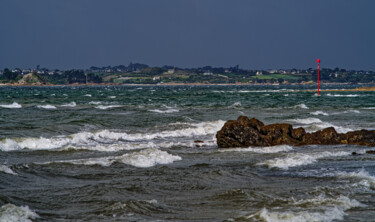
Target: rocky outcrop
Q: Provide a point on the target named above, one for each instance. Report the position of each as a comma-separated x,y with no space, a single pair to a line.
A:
245,132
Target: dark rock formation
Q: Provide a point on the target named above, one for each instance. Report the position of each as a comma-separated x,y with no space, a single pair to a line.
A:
245,132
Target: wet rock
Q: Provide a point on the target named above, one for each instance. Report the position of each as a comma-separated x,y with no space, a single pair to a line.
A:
245,132
198,141
370,151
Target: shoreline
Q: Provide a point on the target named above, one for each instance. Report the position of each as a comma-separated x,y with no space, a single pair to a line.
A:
358,89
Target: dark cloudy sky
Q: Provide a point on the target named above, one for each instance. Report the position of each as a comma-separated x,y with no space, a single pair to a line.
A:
255,34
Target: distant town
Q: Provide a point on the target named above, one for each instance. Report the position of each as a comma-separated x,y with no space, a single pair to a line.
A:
137,73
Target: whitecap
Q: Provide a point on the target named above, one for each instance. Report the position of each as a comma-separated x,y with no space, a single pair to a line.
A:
341,95
46,106
107,107
112,97
365,178
299,159
316,113
164,111
306,121
6,169
91,140
301,106
88,95
95,102
236,105
324,209
142,159
72,104
14,105
267,149
11,212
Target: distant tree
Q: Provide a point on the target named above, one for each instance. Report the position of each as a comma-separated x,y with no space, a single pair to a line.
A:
9,75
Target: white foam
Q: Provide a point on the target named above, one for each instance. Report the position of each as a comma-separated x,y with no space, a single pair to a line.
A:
301,106
72,104
236,105
112,97
88,95
149,158
321,209
143,159
95,102
340,95
299,159
315,124
14,105
12,213
170,110
6,169
92,140
306,121
46,106
9,145
367,180
43,143
316,113
267,149
107,107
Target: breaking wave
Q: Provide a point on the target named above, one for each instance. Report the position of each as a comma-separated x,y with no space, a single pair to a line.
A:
326,209
299,159
341,95
46,106
72,104
6,169
108,107
365,178
10,213
315,124
143,159
301,106
93,140
167,110
267,149
316,113
14,105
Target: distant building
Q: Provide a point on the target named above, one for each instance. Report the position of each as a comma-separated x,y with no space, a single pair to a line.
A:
259,73
171,71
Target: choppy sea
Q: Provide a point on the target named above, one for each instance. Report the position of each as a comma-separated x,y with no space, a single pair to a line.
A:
127,153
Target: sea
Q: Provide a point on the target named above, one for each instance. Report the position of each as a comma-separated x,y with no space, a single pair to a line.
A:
149,153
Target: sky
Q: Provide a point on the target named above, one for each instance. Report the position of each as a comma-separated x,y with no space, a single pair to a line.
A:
254,34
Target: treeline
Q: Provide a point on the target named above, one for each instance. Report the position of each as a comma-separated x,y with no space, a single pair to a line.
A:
137,73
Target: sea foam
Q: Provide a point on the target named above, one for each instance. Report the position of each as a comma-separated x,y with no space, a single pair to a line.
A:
72,104
267,149
143,159
318,209
11,212
107,107
93,140
46,106
14,105
365,178
299,159
6,169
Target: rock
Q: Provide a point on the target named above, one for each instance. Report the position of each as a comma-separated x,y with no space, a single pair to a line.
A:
198,141
370,151
245,132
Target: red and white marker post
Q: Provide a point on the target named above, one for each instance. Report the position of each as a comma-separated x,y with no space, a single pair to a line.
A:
318,61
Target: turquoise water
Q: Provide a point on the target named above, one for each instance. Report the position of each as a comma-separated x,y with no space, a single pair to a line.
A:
127,153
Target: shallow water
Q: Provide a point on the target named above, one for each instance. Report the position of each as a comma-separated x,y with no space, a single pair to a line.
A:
127,153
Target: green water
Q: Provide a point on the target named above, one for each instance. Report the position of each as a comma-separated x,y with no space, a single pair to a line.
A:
127,153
